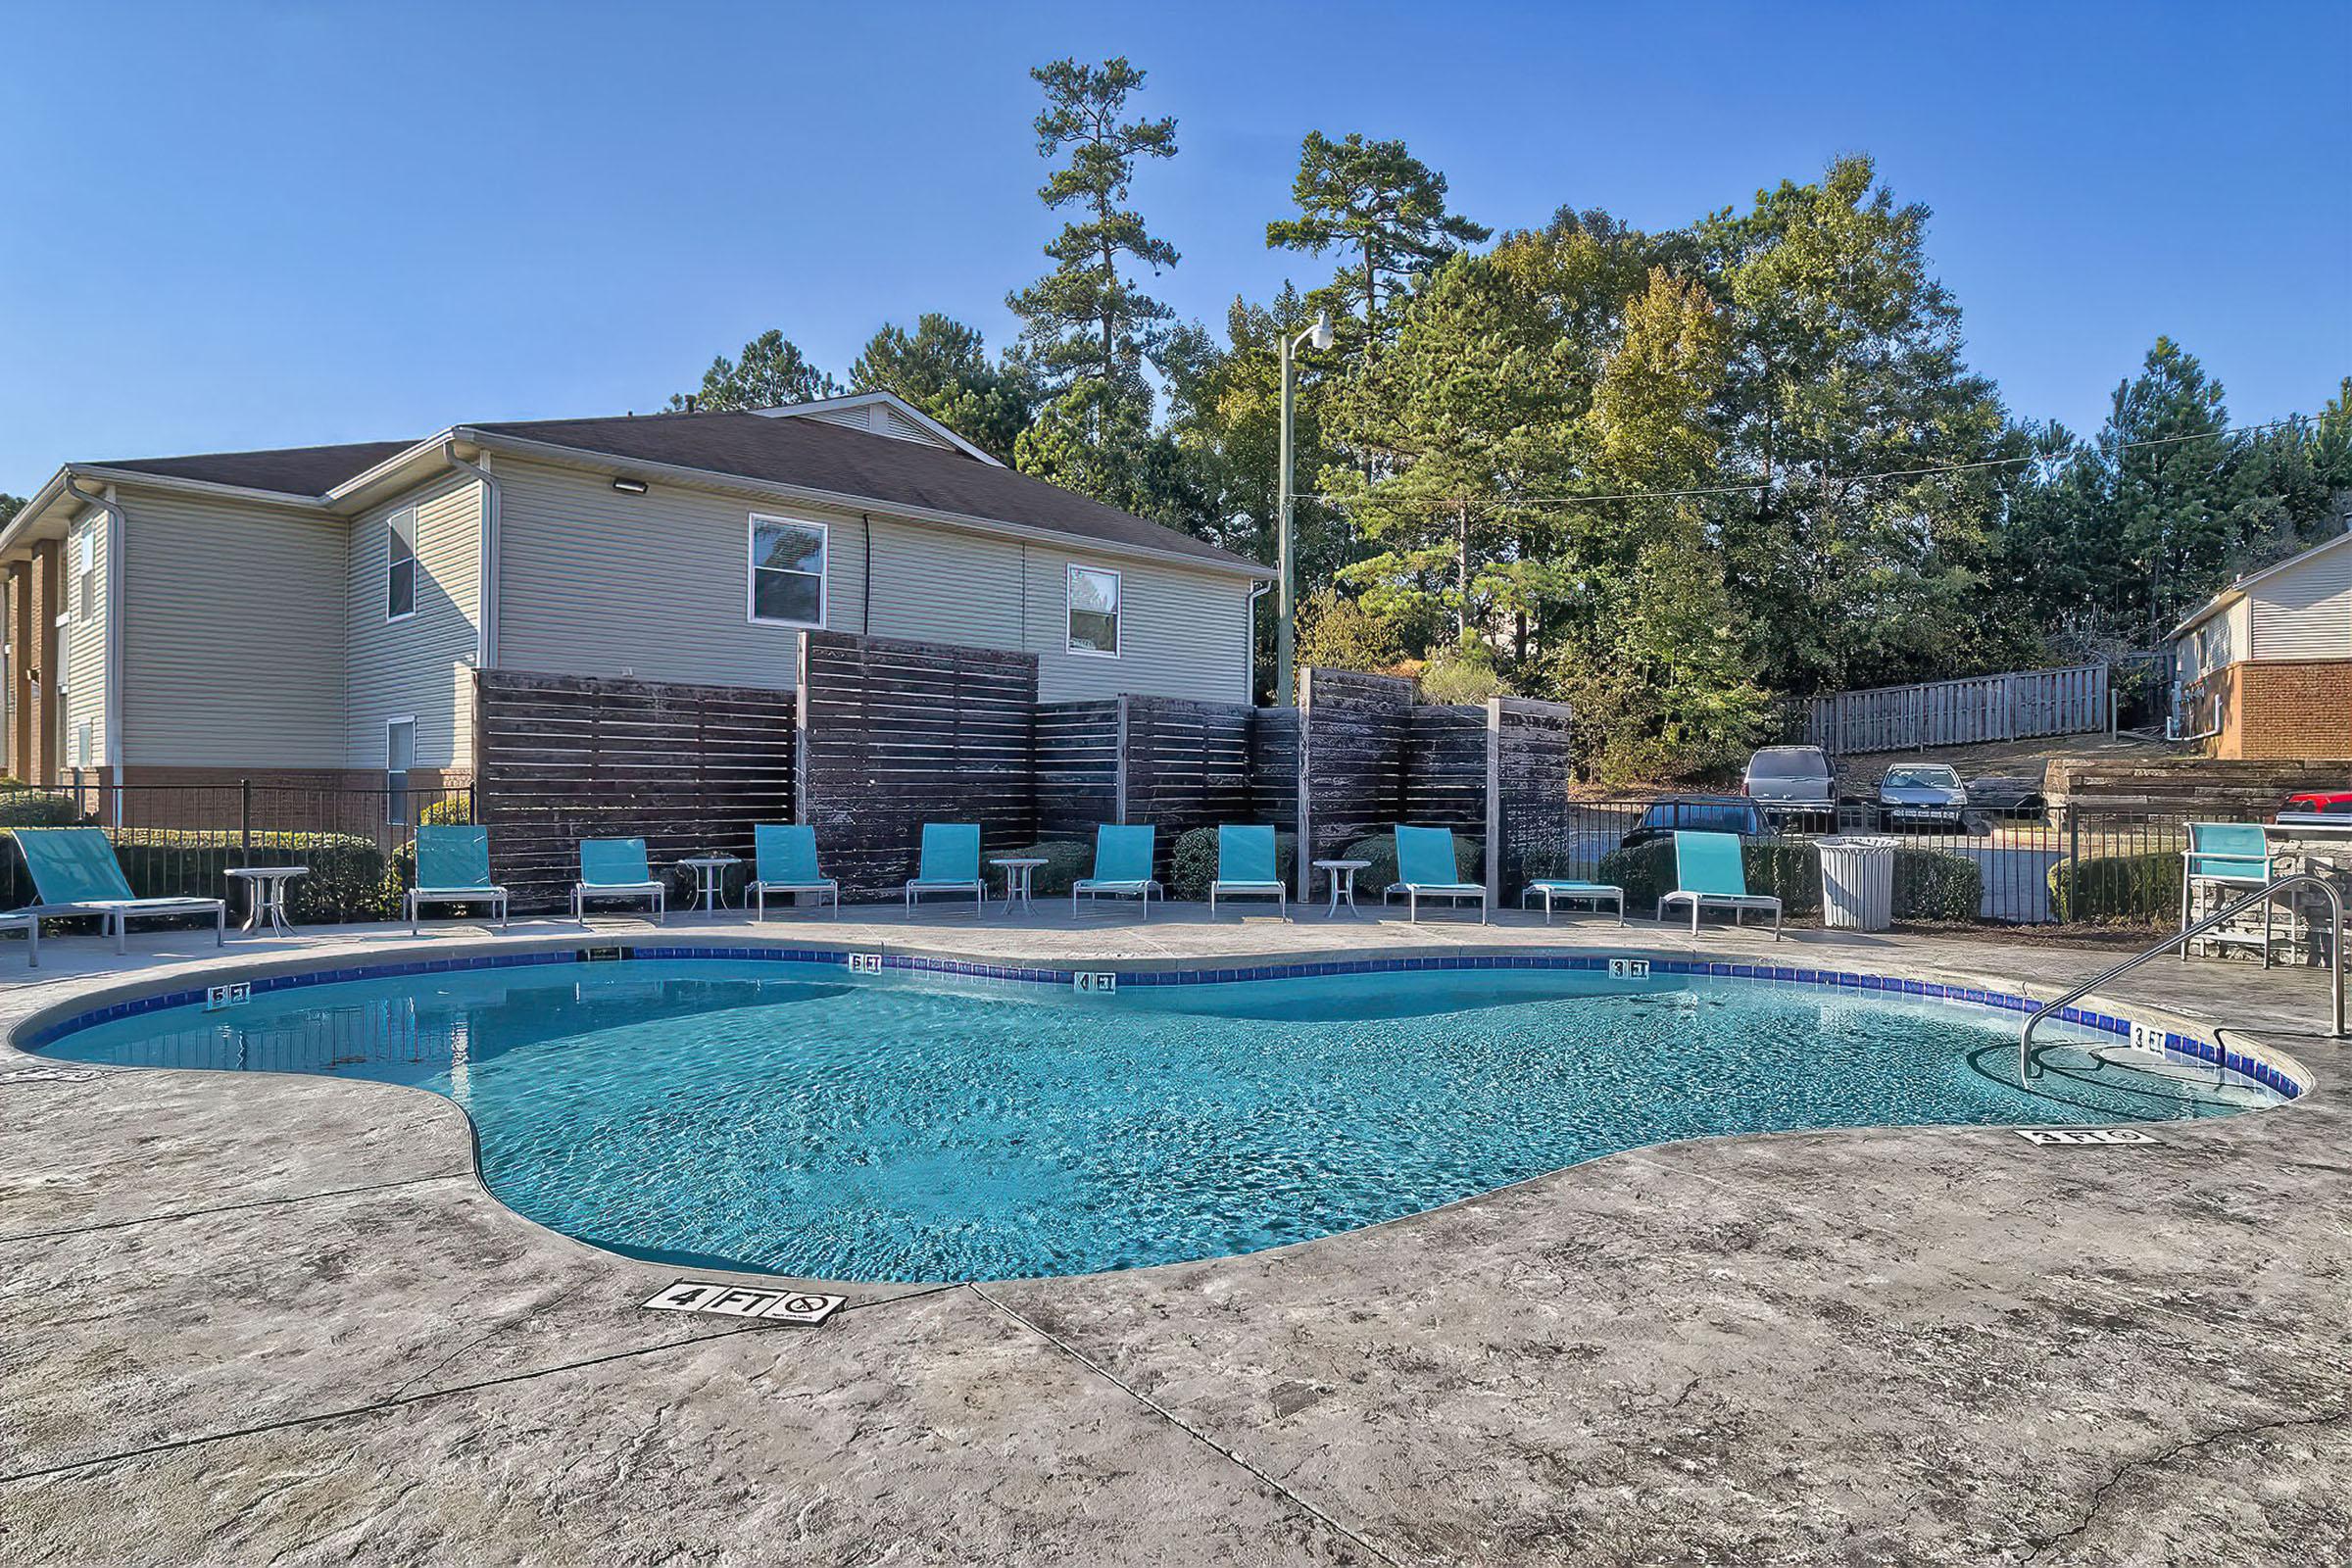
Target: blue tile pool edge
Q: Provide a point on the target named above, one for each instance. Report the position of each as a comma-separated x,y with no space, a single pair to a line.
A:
2186,1048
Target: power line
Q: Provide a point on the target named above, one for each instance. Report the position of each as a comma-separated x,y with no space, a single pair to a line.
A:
1449,503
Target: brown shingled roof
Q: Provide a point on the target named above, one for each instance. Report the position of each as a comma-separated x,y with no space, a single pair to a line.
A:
295,470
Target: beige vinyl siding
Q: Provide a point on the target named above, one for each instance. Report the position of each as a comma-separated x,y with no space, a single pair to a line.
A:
1182,633
936,585
232,637
420,666
2306,610
596,582
2216,642
882,420
83,637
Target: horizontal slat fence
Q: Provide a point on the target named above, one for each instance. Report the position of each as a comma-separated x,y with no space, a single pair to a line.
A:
1352,745
1533,751
1188,766
1078,760
1446,769
565,757
1274,765
896,734
2018,706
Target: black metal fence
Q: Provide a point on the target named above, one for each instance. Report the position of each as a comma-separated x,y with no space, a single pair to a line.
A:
2025,867
355,846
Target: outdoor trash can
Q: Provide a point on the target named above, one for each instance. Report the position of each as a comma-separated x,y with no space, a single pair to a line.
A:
1857,883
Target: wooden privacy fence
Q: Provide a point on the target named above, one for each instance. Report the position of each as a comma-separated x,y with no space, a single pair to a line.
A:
564,757
2070,701
1172,762
1371,758
896,734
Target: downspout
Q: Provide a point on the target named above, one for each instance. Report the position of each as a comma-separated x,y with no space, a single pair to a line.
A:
485,650
1258,591
111,697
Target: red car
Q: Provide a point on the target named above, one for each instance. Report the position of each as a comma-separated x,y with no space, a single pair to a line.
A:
2318,803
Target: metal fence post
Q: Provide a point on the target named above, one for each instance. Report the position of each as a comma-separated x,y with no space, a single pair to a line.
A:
245,822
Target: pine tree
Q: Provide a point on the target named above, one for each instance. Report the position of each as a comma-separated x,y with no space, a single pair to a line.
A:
943,368
770,372
1382,206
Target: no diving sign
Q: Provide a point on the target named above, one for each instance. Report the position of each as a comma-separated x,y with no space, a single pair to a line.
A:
2080,1136
746,1300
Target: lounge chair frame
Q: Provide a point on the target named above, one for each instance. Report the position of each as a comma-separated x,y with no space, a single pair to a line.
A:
1115,841
780,837
114,914
1415,892
648,887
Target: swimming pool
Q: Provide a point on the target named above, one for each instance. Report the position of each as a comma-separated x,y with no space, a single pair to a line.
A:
795,1117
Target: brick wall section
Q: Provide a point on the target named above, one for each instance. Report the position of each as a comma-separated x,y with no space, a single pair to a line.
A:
33,651
2300,708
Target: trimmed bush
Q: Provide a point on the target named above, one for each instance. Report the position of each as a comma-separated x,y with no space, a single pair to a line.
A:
1195,862
452,810
1933,885
350,878
2132,889
1065,863
35,809
1928,884
1469,862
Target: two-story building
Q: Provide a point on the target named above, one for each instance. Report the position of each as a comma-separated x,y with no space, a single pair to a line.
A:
317,615
2265,666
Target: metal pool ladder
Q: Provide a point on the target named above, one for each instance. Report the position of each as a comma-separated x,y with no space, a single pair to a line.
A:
2027,1070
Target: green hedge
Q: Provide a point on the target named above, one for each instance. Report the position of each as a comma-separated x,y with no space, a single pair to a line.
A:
2121,888
1469,862
36,809
1928,884
350,878
1195,862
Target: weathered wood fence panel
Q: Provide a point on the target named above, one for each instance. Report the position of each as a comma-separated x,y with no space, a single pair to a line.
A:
1274,766
1080,754
896,734
1352,745
1446,769
564,757
1532,753
1188,766
2018,706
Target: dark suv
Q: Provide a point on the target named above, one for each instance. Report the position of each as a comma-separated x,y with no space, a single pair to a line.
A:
1697,813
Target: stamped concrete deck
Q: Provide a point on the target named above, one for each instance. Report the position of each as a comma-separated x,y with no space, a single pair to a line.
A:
249,1318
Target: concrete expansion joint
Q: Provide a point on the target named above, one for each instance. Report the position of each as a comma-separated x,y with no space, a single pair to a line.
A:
1181,1425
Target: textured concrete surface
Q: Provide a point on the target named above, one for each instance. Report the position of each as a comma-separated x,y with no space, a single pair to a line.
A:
246,1318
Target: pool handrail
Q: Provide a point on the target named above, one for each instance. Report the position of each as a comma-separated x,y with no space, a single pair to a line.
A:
2027,1071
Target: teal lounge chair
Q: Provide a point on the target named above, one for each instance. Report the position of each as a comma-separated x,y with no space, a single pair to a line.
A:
951,863
1425,868
1595,894
1123,866
1245,864
616,868
75,872
453,866
2226,860
786,864
1707,872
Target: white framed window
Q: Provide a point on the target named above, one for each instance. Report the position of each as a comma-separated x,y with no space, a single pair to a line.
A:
787,575
400,755
400,565
1094,604
84,753
85,573
61,679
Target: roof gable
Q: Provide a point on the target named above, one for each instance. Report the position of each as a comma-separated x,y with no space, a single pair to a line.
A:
882,413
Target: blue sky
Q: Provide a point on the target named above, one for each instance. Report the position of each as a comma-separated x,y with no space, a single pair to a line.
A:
239,226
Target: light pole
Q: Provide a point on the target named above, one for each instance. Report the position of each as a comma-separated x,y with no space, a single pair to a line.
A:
1286,602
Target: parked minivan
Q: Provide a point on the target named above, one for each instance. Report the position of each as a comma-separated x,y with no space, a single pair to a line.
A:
1792,780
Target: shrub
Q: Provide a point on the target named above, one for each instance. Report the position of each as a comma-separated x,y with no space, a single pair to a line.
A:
451,810
348,880
2121,888
1928,884
1065,863
36,809
1458,677
1469,861
1195,862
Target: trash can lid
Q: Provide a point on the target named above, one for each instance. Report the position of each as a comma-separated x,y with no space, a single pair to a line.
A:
1856,842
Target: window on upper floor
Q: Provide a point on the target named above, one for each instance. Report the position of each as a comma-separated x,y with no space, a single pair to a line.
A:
400,573
85,573
1093,602
787,586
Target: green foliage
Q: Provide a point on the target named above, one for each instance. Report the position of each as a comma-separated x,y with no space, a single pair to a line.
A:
1469,861
1340,633
1462,675
1194,859
37,808
1377,201
1084,322
2122,889
942,368
771,371
1933,885
450,809
348,880
1065,863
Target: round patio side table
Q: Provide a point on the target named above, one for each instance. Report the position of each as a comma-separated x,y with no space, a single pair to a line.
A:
1018,869
266,895
1343,882
710,879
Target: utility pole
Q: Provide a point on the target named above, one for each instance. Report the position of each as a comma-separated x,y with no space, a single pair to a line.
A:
1286,597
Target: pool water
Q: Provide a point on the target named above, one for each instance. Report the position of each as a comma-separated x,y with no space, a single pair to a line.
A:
719,1112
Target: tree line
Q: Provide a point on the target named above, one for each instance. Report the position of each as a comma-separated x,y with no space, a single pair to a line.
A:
1665,476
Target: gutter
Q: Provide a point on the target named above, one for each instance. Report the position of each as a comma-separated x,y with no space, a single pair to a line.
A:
485,645
111,697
